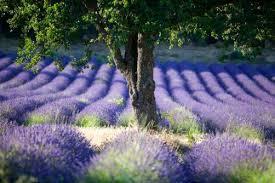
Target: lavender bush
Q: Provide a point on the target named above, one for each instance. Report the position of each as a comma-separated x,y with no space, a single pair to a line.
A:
24,76
218,158
135,157
48,153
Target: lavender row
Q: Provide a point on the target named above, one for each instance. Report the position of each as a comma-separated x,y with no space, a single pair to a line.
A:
109,108
189,91
249,85
5,60
49,81
9,72
66,108
23,77
219,94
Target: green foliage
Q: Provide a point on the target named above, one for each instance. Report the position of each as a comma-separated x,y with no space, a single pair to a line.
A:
52,118
49,24
90,121
250,175
245,131
46,26
36,119
118,101
182,121
127,120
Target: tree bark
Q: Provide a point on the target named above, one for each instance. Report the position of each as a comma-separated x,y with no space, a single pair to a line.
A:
137,68
145,104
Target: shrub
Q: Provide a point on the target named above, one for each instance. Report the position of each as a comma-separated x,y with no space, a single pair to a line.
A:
216,159
135,157
49,153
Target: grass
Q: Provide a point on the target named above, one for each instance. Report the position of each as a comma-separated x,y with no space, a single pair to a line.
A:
56,118
127,120
182,121
91,121
36,119
245,131
249,175
99,137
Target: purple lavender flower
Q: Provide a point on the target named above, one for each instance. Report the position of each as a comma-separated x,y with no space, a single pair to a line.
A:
214,160
163,99
48,153
267,71
23,77
5,61
60,82
108,108
9,72
135,157
44,77
249,85
100,85
5,125
230,84
60,111
218,94
126,117
80,83
259,78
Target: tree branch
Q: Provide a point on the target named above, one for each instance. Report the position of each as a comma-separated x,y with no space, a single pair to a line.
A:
118,59
120,63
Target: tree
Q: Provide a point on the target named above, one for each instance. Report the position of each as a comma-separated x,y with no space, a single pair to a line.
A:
136,25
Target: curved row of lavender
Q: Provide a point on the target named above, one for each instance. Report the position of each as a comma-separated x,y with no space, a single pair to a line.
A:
218,94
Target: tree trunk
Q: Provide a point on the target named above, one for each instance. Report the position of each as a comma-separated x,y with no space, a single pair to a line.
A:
139,76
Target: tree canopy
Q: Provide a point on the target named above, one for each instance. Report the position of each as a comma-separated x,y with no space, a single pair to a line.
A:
47,25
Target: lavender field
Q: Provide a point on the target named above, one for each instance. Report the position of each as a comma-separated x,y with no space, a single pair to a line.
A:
212,98
217,94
